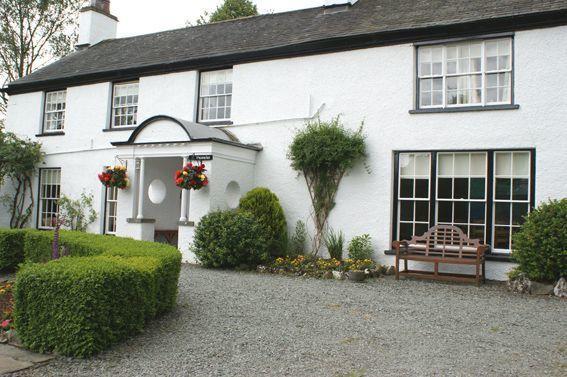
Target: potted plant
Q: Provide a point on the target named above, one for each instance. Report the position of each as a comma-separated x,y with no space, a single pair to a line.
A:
191,177
114,176
357,269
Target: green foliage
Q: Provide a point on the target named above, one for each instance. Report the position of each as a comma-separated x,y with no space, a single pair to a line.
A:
106,291
229,10
265,206
335,242
540,247
297,241
360,247
226,239
323,152
18,160
11,246
77,214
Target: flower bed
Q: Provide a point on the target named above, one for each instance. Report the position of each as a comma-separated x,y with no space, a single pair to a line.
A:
6,312
104,292
321,268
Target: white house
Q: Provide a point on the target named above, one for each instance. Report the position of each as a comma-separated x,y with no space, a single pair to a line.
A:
464,105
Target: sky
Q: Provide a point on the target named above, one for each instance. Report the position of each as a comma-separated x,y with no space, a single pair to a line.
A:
148,16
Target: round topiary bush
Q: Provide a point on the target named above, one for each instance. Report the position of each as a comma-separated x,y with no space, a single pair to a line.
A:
540,247
265,206
226,239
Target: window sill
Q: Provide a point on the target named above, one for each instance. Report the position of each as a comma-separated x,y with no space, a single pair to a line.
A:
488,257
217,123
140,221
130,128
58,133
464,109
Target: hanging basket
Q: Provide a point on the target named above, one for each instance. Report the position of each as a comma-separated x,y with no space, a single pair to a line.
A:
114,176
192,176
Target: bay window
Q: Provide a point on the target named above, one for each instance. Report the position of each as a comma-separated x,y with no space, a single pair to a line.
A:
485,193
467,73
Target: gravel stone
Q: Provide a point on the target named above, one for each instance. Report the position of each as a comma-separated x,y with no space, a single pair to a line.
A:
249,324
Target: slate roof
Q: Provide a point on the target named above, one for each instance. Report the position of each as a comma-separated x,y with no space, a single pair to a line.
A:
289,33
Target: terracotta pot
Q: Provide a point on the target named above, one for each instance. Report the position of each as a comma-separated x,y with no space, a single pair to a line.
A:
356,275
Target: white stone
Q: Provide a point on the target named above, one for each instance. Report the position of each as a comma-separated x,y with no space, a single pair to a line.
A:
560,289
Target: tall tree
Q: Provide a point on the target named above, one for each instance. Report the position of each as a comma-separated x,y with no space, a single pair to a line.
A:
229,10
33,33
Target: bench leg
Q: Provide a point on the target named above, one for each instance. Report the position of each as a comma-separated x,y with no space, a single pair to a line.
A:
484,271
478,275
405,264
436,269
397,268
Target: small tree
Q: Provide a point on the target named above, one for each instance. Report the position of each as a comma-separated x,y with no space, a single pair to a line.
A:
18,161
229,10
77,214
323,152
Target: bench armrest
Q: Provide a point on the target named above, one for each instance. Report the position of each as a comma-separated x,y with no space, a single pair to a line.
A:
400,246
481,250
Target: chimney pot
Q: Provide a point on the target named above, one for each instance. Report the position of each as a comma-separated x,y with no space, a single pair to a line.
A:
103,5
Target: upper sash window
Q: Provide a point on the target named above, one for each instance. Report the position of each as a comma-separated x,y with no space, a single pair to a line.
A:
54,111
125,104
215,96
470,73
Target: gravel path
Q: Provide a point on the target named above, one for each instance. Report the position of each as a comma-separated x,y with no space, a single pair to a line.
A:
248,324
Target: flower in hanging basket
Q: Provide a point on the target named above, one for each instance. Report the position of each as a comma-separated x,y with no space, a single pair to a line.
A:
114,176
191,177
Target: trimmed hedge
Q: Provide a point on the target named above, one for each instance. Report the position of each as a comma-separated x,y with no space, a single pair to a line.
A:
11,246
104,292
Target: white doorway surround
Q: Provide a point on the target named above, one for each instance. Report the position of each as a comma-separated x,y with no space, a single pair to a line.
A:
155,150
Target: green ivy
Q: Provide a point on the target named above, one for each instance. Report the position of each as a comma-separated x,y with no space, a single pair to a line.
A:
323,152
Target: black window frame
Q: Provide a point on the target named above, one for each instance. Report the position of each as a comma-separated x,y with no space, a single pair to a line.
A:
433,181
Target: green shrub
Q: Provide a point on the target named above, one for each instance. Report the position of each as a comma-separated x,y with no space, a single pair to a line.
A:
11,247
106,290
360,247
296,245
540,247
266,208
226,239
335,243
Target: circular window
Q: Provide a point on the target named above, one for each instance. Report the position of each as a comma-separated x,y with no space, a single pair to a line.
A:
232,194
157,191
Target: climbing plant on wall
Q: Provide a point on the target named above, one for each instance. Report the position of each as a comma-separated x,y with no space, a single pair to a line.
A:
323,152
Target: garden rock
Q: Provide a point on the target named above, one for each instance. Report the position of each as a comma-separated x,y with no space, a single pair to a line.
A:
390,270
328,275
339,275
560,289
521,284
541,288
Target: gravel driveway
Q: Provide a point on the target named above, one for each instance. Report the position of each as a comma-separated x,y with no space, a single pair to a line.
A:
248,324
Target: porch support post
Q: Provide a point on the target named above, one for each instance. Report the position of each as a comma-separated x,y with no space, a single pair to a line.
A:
184,197
141,189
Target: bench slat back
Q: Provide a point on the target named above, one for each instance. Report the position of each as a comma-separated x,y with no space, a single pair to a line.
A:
445,241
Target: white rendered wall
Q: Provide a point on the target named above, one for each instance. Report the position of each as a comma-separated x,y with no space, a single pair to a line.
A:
95,27
272,98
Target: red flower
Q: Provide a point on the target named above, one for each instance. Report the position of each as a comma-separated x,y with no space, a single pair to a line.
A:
178,173
192,182
179,181
205,182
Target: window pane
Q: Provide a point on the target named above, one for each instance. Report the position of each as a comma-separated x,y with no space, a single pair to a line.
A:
445,162
502,213
421,188
422,164
407,165
521,163
422,211
420,229
444,188
406,188
476,232
461,214
503,188
461,164
477,188
503,163
477,213
406,210
519,211
461,188
406,231
501,237
520,189
444,212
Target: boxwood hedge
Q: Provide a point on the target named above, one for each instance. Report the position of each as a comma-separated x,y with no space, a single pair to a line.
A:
105,291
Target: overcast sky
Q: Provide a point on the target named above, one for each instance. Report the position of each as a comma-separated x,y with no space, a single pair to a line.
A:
148,16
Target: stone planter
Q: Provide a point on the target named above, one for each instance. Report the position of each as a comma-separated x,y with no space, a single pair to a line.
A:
339,275
356,276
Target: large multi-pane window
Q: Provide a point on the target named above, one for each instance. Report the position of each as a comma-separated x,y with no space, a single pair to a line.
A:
485,193
111,210
511,196
413,194
49,194
215,95
470,73
125,104
54,111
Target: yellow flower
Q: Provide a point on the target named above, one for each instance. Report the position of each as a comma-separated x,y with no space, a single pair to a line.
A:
185,173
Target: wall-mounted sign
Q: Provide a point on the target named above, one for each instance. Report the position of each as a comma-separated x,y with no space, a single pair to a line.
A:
200,157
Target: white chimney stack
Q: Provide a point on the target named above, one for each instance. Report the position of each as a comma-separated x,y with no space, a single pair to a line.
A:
96,23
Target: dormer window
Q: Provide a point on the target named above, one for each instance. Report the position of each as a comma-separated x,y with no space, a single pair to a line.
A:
54,111
465,74
215,96
125,104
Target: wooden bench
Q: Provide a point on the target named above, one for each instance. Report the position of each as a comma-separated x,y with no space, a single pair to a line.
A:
442,244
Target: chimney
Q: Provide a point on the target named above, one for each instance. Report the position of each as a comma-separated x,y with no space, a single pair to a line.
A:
96,23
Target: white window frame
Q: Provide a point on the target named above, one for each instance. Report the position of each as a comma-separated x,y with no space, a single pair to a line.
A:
54,106
110,210
204,95
48,196
483,73
130,86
